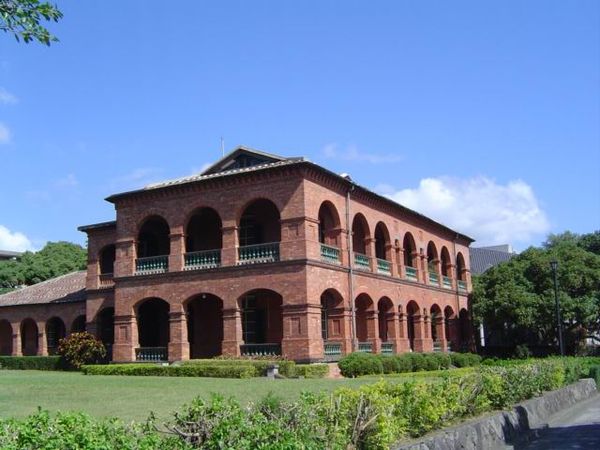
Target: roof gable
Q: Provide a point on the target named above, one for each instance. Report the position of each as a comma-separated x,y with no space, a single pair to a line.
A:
241,158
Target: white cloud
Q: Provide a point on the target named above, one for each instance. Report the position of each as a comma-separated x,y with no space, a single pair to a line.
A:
14,241
4,134
69,181
7,98
351,153
489,212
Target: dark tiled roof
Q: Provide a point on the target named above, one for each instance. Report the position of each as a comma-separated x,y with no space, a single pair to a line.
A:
9,254
483,259
64,289
95,226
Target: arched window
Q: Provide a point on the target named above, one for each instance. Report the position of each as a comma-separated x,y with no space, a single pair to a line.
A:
460,267
259,223
409,250
360,233
107,260
153,238
382,242
329,224
203,231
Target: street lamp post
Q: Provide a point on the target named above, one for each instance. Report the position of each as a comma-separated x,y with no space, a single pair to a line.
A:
554,265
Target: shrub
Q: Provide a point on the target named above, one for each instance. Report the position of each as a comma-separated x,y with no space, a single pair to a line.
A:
286,368
81,348
312,370
356,364
31,362
465,359
522,352
417,361
390,364
404,363
203,370
594,372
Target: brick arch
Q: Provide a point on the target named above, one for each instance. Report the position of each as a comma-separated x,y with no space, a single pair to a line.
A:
204,312
152,315
29,337
413,316
382,242
460,267
156,240
6,338
262,320
437,322
360,233
365,309
329,224
385,310
410,247
432,257
259,222
106,259
242,207
332,315
445,262
55,331
203,230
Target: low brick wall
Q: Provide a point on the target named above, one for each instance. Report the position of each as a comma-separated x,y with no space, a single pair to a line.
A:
507,427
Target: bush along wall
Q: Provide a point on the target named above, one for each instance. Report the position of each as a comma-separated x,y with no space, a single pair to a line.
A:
203,370
32,363
373,416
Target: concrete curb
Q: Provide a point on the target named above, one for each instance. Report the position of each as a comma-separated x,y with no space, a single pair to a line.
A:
512,427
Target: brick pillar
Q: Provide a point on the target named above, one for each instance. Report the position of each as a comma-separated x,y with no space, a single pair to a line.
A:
440,330
390,252
16,340
422,263
393,327
42,342
427,340
372,317
420,337
177,239
302,340
230,245
370,251
125,258
453,335
400,262
416,264
232,331
126,338
179,347
344,244
403,342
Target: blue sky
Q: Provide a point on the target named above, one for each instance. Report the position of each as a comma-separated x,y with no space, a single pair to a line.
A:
484,115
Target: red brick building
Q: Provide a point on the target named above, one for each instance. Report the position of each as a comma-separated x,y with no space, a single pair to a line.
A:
262,254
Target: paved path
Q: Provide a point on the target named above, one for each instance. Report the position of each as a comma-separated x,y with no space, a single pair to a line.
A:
575,428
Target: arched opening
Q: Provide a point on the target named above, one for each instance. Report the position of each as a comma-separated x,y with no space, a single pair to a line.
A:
259,233
382,242
262,322
331,315
6,338
460,267
446,263
153,246
385,308
55,331
432,258
365,326
360,233
205,326
450,327
437,327
78,325
203,239
107,260
329,224
153,330
412,318
106,329
465,329
29,338
410,250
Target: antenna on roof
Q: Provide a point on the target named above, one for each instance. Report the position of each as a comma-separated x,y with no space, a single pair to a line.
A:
222,146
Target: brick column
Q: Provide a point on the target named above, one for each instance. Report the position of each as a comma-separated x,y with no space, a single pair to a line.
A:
230,245
440,330
177,239
427,340
403,342
422,263
453,336
373,329
393,328
302,340
400,262
16,340
390,251
232,331
370,251
42,342
126,338
420,337
179,347
125,258
344,244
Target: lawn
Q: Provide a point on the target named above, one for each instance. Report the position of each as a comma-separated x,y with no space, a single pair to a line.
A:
132,398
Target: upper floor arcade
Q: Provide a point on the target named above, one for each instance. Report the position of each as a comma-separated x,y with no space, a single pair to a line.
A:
255,208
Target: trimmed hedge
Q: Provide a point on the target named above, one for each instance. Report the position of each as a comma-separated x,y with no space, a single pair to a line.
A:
32,363
353,366
200,370
312,370
286,368
594,372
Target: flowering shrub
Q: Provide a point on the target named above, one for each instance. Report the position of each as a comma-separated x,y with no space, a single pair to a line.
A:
81,348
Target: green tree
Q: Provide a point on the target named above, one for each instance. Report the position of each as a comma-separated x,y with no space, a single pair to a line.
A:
56,258
23,18
515,299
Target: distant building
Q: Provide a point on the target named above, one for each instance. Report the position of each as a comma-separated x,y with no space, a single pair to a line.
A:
5,255
484,258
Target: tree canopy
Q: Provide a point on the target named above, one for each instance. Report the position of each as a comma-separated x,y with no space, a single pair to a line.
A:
24,18
56,258
515,300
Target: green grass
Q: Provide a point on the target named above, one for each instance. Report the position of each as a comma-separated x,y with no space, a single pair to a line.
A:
132,398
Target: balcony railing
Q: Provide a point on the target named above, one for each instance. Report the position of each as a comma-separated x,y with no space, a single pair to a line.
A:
434,279
153,354
462,286
387,348
152,264
447,281
333,351
384,267
365,347
411,273
206,259
260,349
437,346
105,280
330,254
257,254
362,262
